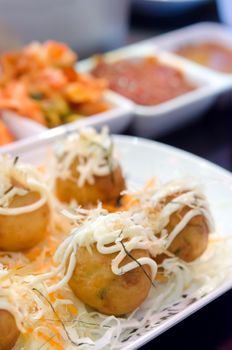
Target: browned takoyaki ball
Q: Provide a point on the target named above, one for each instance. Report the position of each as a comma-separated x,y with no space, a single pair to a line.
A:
96,285
106,188
192,241
23,231
9,332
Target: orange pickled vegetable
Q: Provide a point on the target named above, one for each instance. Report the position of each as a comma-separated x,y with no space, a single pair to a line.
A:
41,82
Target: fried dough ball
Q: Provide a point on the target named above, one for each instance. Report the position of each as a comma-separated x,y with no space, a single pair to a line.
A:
191,242
9,332
105,188
96,285
87,169
23,231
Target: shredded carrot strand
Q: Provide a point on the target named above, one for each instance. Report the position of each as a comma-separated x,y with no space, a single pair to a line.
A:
72,309
55,295
129,200
52,342
150,184
33,253
55,331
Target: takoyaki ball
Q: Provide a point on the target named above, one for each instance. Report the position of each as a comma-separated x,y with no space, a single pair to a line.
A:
87,169
192,241
96,285
23,231
9,332
105,188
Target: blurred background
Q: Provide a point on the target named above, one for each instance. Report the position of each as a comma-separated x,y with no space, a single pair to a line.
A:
97,26
100,25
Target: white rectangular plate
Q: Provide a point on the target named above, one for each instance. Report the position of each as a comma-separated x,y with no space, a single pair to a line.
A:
117,118
142,159
196,33
159,119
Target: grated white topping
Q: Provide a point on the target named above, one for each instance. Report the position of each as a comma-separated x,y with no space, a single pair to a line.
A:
187,283
158,210
18,296
17,178
118,233
95,154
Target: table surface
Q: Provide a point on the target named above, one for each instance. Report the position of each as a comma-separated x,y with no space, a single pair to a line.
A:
209,137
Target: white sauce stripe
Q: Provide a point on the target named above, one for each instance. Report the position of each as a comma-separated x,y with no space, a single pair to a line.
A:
182,193
116,233
23,210
18,179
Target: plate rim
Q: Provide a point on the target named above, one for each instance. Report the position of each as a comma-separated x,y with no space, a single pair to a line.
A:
179,317
205,300
171,150
183,153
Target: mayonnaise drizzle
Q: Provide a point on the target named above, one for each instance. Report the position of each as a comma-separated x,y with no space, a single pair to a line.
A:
23,210
18,179
94,151
184,193
107,231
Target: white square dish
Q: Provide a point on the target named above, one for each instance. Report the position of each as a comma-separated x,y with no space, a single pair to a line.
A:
117,118
142,159
196,33
159,119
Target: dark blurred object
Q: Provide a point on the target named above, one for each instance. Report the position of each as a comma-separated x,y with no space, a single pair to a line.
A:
208,137
167,8
150,23
87,26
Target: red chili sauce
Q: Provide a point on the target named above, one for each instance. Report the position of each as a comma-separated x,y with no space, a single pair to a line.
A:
212,55
146,81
